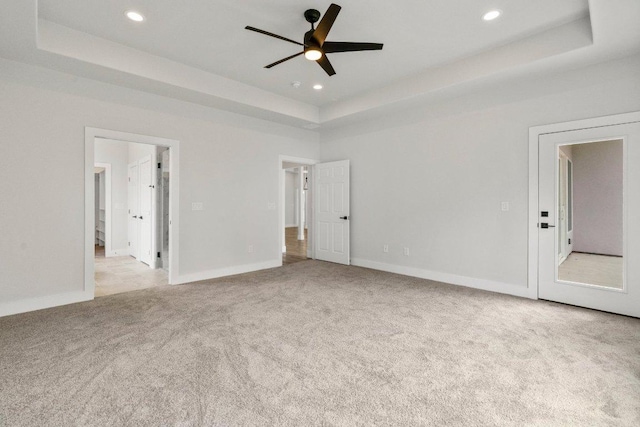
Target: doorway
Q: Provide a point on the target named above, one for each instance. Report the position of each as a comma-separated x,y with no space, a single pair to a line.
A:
102,180
595,255
296,204
141,226
135,222
296,191
588,189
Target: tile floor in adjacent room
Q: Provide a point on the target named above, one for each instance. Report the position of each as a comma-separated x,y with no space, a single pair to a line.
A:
115,275
601,270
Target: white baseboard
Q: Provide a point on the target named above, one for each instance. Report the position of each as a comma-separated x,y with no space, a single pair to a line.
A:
118,252
470,282
39,303
227,271
291,226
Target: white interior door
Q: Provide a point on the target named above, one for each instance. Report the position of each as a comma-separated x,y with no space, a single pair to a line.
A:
134,207
627,299
332,211
146,205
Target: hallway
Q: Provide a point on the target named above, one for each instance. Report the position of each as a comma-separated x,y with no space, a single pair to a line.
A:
296,249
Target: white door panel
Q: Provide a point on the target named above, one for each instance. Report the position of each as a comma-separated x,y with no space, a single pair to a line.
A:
146,194
623,301
332,212
134,202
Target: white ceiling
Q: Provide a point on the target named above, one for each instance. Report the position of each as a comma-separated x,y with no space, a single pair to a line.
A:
210,35
198,51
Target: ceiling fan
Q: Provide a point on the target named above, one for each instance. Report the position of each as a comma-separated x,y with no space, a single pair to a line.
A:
315,47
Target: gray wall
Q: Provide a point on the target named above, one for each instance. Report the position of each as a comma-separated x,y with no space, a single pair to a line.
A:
433,179
116,154
597,199
227,162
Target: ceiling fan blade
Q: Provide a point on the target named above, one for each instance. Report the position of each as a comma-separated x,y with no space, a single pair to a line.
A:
257,30
333,47
284,59
325,24
326,65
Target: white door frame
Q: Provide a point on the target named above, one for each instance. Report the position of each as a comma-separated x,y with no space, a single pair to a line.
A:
534,135
107,209
569,234
90,134
563,222
281,203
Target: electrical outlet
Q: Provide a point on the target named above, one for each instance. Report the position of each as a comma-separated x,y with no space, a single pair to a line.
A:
271,206
406,251
504,206
385,249
250,249
197,206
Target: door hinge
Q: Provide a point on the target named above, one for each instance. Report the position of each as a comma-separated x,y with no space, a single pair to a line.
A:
159,165
158,254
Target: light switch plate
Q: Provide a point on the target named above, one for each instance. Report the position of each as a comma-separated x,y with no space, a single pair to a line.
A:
504,206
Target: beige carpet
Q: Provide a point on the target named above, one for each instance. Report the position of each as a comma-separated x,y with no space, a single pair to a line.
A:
318,344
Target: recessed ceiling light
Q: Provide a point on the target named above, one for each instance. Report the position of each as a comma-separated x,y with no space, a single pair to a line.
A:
134,16
491,15
317,87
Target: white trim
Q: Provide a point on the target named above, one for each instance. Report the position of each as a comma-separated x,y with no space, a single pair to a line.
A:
291,225
453,279
107,208
228,271
281,202
534,135
174,197
39,303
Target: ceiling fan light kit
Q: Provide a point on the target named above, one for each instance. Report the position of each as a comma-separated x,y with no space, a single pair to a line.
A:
315,47
312,53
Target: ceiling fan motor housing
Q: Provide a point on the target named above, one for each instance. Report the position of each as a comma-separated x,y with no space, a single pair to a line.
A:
311,15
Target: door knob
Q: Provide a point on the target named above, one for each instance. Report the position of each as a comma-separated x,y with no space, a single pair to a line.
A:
344,217
546,225
140,216
135,216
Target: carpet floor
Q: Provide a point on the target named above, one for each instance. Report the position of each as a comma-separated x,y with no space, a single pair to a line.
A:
314,343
